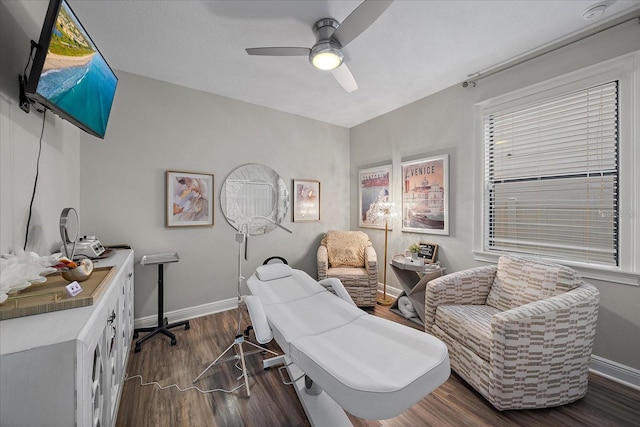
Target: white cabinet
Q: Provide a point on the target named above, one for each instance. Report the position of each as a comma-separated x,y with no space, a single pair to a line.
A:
67,367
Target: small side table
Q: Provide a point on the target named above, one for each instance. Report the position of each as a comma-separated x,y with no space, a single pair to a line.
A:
413,279
163,323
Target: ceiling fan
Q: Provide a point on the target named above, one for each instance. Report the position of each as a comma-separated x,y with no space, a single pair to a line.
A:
331,37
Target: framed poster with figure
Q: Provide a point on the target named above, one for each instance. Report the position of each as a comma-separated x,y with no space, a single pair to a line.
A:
374,196
189,199
306,200
425,199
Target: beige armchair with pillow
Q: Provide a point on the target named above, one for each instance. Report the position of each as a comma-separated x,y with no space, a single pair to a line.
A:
349,256
520,333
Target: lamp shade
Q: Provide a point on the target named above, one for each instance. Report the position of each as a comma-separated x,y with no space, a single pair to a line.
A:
326,56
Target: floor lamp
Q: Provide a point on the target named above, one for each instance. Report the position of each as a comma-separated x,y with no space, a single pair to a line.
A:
386,212
241,239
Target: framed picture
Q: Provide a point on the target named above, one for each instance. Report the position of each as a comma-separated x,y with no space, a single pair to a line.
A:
189,199
425,199
374,194
306,200
428,251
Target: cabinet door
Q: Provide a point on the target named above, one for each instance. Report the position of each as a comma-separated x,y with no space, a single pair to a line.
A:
96,383
92,374
126,315
110,352
113,343
120,333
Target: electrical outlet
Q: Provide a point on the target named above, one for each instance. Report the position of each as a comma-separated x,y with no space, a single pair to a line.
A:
73,288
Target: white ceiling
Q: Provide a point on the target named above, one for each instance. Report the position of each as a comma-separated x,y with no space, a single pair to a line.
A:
414,49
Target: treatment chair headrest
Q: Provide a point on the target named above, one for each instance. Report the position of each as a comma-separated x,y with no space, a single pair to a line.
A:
273,271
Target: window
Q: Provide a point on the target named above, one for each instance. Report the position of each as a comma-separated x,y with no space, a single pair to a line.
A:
558,172
551,177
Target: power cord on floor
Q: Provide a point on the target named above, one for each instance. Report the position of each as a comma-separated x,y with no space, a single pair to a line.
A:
177,387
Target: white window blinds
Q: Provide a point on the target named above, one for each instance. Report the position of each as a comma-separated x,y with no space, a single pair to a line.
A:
551,175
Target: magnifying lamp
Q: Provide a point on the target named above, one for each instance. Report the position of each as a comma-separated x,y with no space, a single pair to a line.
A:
69,229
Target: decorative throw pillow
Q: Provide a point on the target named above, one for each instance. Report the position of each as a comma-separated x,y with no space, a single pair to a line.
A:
346,248
521,280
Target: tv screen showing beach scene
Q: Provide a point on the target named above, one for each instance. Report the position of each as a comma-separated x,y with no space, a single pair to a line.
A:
75,78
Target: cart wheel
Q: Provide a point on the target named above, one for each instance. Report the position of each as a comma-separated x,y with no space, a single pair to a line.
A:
187,326
173,341
137,350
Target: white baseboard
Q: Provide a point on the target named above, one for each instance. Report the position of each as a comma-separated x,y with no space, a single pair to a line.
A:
392,292
615,371
188,313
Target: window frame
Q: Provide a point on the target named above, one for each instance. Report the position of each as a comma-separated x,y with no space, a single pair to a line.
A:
626,70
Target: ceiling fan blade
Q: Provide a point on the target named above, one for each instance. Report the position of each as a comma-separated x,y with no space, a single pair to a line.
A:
359,20
343,75
279,51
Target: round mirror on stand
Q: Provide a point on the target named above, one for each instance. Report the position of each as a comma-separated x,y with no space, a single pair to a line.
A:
69,230
254,199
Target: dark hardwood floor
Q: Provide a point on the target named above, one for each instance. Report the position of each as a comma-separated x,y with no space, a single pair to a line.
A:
273,404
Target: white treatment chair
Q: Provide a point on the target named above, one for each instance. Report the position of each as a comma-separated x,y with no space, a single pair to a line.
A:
371,367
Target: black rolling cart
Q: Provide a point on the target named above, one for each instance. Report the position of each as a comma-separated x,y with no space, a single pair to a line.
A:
163,323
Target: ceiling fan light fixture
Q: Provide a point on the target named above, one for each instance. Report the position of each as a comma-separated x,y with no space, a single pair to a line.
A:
326,56
331,36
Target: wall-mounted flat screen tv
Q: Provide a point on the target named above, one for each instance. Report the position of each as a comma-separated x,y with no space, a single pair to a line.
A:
69,75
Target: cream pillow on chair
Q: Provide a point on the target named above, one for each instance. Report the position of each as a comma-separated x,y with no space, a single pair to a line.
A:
346,248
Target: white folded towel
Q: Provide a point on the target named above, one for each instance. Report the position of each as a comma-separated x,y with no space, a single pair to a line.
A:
406,308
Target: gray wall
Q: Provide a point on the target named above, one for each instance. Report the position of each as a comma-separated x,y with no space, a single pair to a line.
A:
443,123
58,181
118,184
157,127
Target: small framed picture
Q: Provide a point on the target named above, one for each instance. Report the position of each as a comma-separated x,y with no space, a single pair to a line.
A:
189,199
428,251
306,200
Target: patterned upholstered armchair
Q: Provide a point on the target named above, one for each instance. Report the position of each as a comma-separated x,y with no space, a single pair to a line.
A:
349,256
520,333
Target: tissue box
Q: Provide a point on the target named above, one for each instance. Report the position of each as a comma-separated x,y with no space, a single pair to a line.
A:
415,261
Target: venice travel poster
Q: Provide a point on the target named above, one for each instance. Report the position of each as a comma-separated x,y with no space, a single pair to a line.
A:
425,201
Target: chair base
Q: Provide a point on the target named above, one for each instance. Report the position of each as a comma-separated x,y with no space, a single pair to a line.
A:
160,329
